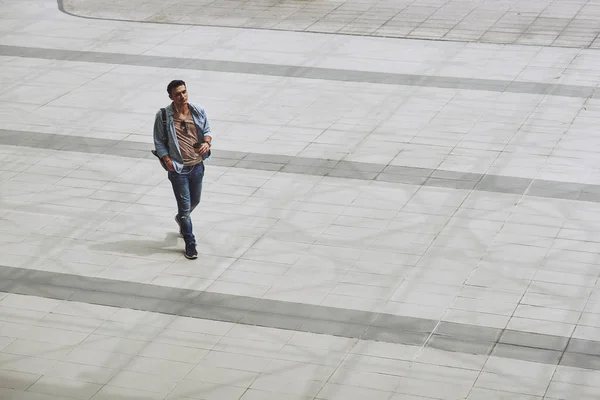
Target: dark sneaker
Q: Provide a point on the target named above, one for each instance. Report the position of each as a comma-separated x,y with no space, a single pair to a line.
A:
190,252
179,225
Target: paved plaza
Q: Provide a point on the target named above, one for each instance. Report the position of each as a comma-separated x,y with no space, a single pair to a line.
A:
403,201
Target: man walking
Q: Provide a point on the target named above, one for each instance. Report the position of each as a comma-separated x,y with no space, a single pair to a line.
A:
182,139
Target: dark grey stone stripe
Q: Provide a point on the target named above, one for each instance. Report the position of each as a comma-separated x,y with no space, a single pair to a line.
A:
365,325
291,71
320,167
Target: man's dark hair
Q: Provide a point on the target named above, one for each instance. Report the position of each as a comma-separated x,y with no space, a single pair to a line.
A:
174,84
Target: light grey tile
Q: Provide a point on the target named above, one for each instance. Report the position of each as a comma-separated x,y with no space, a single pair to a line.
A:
82,372
348,173
253,394
287,385
432,389
223,376
174,352
240,362
17,380
147,382
469,362
113,344
398,178
121,393
208,391
131,153
165,368
332,391
31,365
450,183
101,298
511,383
215,313
228,154
306,169
64,387
33,303
38,349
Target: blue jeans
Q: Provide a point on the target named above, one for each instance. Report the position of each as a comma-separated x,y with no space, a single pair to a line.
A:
187,187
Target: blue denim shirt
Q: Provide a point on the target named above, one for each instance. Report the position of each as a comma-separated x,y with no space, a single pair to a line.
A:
167,143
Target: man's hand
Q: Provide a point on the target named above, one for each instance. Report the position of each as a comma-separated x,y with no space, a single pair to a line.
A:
169,164
203,149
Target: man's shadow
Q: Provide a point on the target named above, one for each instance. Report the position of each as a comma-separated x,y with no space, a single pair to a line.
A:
142,248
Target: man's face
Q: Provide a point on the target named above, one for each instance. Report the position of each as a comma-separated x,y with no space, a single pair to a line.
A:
179,95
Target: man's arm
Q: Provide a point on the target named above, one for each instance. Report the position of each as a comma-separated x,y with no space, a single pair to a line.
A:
205,147
161,143
206,129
